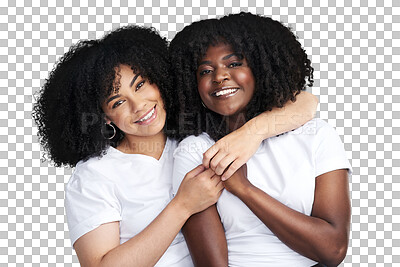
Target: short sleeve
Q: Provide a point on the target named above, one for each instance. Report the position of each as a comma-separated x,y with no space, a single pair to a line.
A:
330,154
187,156
90,201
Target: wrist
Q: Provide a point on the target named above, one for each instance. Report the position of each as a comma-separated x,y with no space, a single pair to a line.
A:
239,189
256,131
181,209
244,191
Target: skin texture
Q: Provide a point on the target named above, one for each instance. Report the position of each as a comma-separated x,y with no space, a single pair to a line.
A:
136,97
229,153
203,252
101,247
200,187
81,80
222,69
323,236
87,66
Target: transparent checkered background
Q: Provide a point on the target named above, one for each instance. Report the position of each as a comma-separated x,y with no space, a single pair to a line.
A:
355,50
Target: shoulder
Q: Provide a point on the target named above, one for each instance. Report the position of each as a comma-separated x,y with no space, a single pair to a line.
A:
312,135
195,144
313,126
91,197
89,183
171,144
202,138
316,128
90,172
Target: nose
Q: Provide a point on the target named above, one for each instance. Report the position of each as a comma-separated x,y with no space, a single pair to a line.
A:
137,103
220,75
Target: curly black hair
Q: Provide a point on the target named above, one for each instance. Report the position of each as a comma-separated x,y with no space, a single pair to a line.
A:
68,113
279,64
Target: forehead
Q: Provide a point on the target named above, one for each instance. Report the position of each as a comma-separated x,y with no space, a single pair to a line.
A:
219,49
123,71
120,76
123,75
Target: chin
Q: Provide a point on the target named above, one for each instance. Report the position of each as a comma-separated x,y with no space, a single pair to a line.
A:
150,130
228,111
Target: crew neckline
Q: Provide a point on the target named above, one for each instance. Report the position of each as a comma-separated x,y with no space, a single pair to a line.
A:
166,147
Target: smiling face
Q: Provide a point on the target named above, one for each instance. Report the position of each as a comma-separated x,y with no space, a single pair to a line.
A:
137,108
225,81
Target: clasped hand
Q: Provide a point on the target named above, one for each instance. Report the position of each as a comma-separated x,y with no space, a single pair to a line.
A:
228,154
238,182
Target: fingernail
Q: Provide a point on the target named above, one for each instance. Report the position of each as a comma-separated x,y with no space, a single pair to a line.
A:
222,178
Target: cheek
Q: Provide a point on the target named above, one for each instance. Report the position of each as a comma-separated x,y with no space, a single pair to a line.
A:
246,78
202,88
154,94
122,119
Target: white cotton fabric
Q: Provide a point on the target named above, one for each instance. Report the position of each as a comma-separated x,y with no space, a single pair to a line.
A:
130,188
285,167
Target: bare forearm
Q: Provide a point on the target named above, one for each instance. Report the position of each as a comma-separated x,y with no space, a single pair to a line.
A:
147,247
287,118
312,237
206,240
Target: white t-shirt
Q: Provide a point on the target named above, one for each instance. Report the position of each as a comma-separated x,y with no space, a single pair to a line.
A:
130,188
285,167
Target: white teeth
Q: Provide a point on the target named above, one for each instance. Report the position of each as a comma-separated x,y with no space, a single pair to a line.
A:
225,92
147,116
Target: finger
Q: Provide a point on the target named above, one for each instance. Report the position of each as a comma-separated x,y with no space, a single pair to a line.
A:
209,154
196,171
220,186
208,173
216,159
232,169
224,164
215,179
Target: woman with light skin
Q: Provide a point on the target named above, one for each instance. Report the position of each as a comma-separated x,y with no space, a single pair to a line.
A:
108,110
289,204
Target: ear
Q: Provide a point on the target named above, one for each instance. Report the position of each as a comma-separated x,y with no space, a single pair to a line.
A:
108,121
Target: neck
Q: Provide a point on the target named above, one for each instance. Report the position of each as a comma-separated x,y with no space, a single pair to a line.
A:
152,146
236,121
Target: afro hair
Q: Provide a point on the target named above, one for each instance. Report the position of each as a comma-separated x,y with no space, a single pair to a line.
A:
71,123
277,60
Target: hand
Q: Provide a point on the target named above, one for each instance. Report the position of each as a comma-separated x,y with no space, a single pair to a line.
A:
238,182
199,189
228,154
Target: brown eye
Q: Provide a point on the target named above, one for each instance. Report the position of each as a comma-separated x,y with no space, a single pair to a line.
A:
139,85
204,72
117,103
235,64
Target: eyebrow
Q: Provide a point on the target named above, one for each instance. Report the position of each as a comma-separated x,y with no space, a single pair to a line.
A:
224,58
112,98
232,55
118,95
134,79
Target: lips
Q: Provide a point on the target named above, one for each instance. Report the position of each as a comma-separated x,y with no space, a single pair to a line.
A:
148,117
225,91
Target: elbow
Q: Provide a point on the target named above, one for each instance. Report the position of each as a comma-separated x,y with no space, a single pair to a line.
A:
335,256
308,105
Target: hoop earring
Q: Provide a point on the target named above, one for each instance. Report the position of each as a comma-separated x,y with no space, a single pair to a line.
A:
114,131
203,104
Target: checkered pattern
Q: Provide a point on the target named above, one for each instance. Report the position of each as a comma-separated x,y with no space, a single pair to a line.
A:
355,50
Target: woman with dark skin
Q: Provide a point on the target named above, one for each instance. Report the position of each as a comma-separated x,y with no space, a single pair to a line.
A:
289,204
108,110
